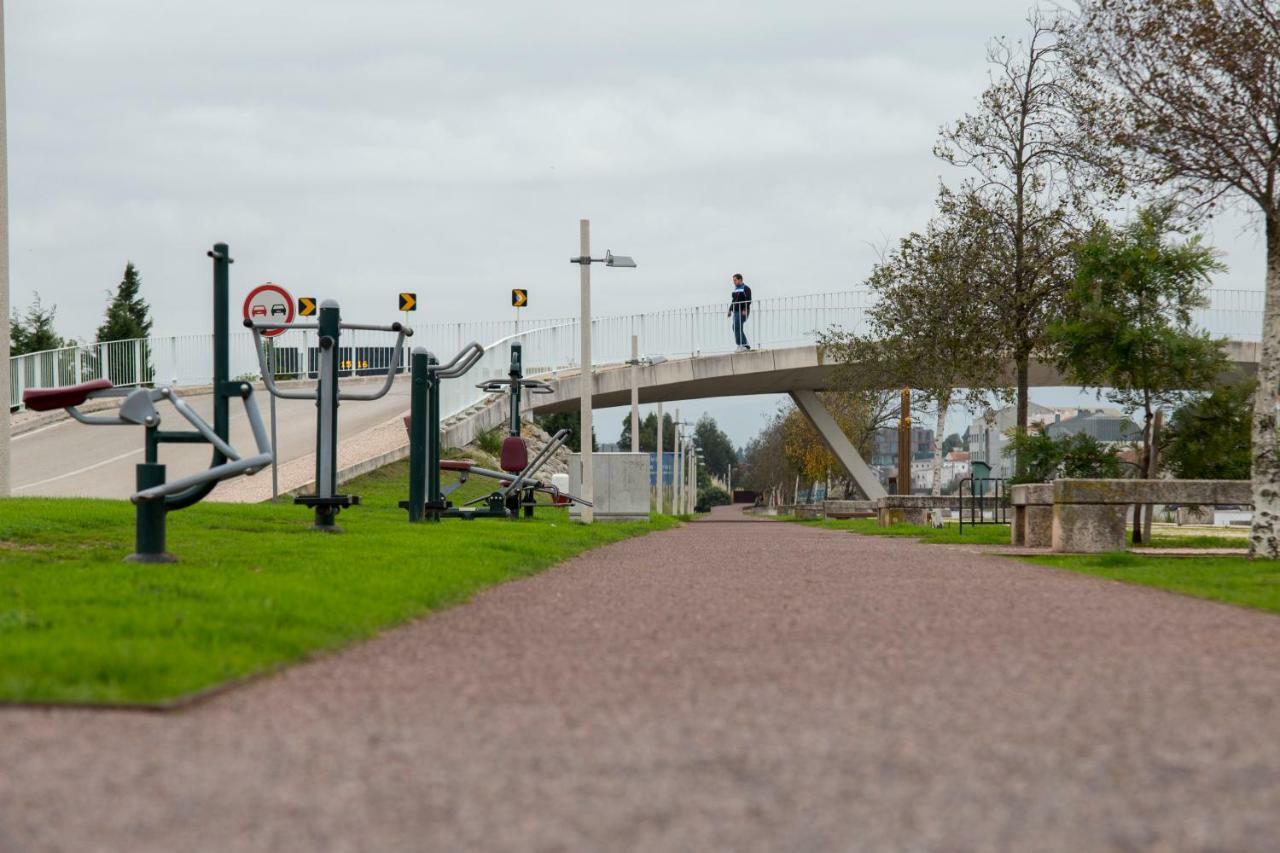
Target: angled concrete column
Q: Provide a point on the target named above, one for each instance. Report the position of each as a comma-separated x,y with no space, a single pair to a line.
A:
838,443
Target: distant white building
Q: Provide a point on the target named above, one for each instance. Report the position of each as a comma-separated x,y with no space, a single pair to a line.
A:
988,434
955,465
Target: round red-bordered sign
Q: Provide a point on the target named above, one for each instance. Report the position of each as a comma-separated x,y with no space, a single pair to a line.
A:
269,302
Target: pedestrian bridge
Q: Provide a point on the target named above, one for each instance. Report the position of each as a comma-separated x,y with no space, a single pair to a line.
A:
685,354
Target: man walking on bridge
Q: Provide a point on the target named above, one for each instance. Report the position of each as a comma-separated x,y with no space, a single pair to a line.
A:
739,310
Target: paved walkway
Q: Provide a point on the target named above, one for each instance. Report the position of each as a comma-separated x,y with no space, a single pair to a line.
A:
739,686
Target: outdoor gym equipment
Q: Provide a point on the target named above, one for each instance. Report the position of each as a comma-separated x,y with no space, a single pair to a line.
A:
426,499
155,498
517,477
328,395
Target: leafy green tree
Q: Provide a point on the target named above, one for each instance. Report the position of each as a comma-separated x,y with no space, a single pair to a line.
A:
717,448
930,327
1127,324
953,442
1036,179
1187,91
571,421
128,315
1046,458
649,433
34,331
1208,437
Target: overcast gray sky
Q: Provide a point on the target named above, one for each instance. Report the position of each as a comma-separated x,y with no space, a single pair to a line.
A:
354,150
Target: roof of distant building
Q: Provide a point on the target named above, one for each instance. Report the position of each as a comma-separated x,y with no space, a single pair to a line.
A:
1104,426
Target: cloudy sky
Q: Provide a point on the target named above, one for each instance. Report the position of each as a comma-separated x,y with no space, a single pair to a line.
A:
354,150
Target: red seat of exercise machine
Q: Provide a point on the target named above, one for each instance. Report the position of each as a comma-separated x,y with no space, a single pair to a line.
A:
455,465
515,454
48,399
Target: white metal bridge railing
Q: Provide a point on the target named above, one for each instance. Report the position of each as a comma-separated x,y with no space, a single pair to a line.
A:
550,345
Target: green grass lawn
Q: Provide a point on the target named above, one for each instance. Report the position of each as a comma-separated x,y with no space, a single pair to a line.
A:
980,534
255,588
1231,579
998,534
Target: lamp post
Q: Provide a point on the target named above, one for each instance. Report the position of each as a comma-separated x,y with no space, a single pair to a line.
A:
586,380
4,271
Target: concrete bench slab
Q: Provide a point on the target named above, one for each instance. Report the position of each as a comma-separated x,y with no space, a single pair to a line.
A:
1089,515
1152,492
1032,525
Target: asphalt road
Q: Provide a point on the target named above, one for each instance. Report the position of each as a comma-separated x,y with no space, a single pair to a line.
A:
724,686
70,459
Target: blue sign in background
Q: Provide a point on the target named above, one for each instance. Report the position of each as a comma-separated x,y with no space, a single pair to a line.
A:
668,469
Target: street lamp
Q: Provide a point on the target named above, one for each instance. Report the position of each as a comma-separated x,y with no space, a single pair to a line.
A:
4,271
586,381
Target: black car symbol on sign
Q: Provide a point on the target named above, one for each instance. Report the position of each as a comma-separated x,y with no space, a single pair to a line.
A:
278,310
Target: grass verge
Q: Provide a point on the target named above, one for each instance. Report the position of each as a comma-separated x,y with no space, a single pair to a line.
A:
998,534
255,588
1227,578
1230,579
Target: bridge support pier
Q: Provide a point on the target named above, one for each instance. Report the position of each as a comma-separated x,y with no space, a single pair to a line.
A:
838,443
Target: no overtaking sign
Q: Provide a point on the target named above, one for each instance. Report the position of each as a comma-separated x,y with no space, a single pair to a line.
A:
272,303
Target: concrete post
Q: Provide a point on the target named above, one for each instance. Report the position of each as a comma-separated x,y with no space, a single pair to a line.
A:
584,371
4,272
635,394
659,460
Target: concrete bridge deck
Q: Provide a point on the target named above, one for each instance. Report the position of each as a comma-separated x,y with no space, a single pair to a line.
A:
70,459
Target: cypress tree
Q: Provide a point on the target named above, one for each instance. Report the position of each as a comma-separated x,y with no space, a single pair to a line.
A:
128,315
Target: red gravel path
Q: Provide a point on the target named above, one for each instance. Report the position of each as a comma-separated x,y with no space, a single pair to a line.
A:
722,686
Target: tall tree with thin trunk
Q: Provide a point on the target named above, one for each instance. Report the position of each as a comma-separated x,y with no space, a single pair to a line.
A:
1127,327
1189,90
930,327
1035,178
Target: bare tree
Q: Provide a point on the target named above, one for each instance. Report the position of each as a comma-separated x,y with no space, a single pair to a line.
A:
1190,92
931,325
1036,174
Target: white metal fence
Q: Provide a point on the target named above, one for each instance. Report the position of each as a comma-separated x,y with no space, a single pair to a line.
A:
550,345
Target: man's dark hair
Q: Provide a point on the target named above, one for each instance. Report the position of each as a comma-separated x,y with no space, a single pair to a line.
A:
738,276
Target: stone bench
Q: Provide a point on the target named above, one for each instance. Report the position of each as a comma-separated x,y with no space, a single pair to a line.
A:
1032,525
849,509
911,509
1089,515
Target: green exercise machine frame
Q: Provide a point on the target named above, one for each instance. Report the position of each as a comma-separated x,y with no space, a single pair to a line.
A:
328,395
427,501
155,498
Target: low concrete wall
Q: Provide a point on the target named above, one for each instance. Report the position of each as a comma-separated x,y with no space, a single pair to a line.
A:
911,509
848,509
621,485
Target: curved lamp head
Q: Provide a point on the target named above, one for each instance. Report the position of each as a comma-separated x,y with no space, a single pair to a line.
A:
612,260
